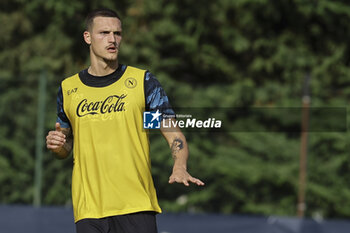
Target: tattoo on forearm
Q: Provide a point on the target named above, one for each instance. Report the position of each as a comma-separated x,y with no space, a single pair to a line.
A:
176,146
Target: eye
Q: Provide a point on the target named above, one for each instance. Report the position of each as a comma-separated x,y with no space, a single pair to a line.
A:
104,32
118,33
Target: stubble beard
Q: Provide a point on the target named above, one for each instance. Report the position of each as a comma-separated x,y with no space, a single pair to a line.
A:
111,60
112,57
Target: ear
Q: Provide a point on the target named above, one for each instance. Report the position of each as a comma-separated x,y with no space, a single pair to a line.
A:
87,37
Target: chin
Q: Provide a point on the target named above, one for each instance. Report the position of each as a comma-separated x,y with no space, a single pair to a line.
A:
111,58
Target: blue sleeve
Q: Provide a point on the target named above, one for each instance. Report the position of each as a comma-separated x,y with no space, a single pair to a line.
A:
61,115
156,98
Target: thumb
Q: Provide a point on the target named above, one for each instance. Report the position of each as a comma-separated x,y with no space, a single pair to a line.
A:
58,127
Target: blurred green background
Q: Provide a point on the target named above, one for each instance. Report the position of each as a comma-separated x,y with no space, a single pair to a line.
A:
223,53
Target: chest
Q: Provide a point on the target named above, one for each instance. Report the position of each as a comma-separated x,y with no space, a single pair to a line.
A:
104,103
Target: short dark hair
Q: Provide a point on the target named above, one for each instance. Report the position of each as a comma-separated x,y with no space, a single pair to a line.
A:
104,12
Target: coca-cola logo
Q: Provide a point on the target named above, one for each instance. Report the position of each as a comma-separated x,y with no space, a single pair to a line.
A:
113,103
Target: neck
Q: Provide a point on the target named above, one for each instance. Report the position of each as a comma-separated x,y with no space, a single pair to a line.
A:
103,67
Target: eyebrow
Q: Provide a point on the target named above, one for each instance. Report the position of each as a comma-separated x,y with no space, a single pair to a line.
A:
108,30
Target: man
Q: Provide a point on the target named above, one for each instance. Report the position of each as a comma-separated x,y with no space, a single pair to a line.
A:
100,109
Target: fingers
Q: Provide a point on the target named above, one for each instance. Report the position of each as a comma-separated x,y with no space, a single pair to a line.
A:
178,180
58,127
186,180
173,179
197,181
55,139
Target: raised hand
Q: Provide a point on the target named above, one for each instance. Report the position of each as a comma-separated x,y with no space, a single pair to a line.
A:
55,139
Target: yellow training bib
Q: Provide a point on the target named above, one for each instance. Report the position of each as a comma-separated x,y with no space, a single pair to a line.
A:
112,168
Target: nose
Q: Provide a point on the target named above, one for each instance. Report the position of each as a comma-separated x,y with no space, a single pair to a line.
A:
111,38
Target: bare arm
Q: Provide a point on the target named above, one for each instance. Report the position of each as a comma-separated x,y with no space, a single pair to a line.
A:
179,151
60,141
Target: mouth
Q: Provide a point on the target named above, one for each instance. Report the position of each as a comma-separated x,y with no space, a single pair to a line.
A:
112,49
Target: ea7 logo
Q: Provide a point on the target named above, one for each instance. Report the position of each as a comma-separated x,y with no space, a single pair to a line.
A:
74,90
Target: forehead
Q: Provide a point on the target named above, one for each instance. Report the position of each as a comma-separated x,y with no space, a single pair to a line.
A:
106,23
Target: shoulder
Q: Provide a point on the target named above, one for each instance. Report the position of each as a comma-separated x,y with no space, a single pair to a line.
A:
135,68
69,80
134,72
151,80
